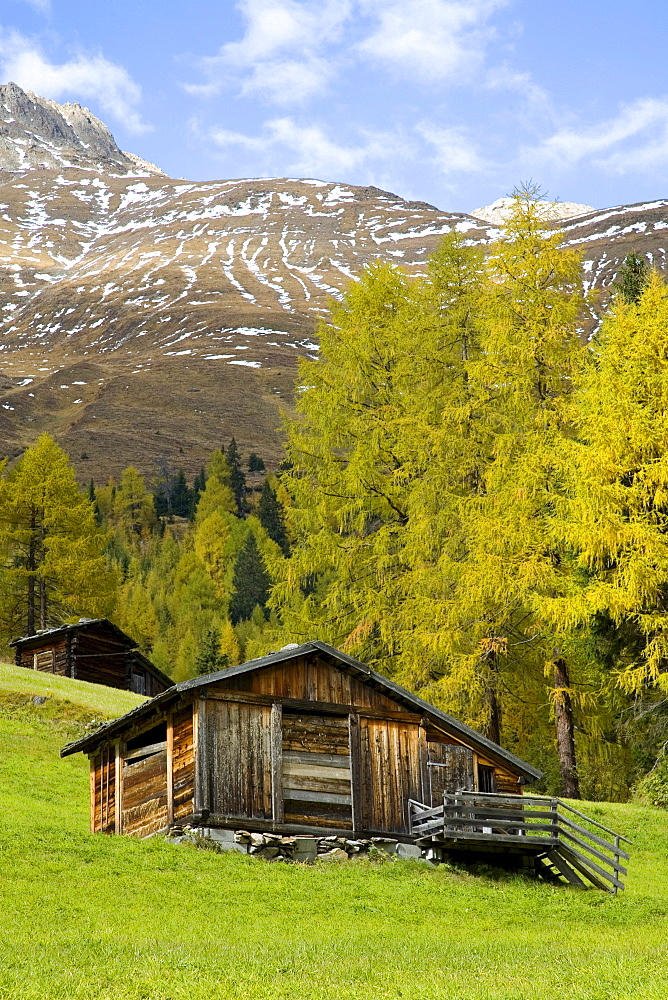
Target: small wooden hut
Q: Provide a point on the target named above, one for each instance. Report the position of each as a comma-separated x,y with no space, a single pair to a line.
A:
95,650
305,740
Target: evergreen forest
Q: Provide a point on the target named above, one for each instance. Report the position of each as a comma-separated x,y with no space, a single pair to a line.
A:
474,502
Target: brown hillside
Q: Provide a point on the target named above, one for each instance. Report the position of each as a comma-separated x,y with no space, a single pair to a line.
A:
146,320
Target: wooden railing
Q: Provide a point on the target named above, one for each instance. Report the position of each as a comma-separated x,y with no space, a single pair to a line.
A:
534,824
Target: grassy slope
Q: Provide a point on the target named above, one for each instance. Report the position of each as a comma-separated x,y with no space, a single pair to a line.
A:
102,917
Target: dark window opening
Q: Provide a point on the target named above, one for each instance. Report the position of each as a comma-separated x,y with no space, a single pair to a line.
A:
148,743
486,778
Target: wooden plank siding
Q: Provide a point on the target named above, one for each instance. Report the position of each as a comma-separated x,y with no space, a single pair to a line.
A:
451,769
183,756
47,657
94,651
144,794
235,744
99,659
103,812
390,773
316,772
505,782
312,679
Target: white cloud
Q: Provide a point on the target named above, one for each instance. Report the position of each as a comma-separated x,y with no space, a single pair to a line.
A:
635,140
307,150
433,40
40,5
280,53
455,152
292,50
82,77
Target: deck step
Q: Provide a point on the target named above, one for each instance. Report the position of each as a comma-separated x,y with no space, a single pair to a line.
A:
562,866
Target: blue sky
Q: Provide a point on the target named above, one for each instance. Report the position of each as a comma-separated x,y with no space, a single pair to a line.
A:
453,102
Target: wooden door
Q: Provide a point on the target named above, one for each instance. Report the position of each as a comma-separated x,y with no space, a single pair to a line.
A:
315,774
390,773
450,769
235,759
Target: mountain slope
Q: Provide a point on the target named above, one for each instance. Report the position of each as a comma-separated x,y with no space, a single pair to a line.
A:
144,319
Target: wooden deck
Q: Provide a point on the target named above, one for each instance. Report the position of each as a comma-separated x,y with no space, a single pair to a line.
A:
539,830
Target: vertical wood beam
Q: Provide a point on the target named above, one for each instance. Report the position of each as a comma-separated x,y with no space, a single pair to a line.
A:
93,788
106,772
276,738
356,790
118,788
197,798
201,756
72,655
170,769
423,754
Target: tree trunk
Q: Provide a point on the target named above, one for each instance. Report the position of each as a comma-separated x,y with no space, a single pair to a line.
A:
493,731
30,566
565,730
42,582
42,604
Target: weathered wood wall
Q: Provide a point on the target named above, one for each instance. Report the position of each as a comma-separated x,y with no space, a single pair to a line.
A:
103,790
312,679
99,658
505,782
183,766
144,794
390,772
300,745
49,657
316,775
235,758
451,769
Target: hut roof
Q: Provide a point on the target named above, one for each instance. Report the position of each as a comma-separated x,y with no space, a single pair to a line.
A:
338,659
84,623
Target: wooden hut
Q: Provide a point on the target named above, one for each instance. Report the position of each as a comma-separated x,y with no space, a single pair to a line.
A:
305,740
95,650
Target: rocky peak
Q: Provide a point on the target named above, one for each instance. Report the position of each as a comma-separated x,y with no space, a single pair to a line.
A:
37,132
551,211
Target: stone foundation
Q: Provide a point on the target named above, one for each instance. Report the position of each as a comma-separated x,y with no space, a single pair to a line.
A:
306,850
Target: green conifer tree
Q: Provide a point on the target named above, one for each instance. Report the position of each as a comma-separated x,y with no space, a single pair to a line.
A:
515,570
209,656
181,496
133,506
237,477
251,582
374,504
271,517
92,497
632,278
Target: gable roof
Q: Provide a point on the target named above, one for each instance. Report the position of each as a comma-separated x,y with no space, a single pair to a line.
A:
469,736
84,623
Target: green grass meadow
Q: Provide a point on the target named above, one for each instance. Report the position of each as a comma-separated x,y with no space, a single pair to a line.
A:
103,918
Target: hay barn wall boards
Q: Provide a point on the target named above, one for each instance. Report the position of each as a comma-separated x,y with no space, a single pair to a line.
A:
92,650
303,740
